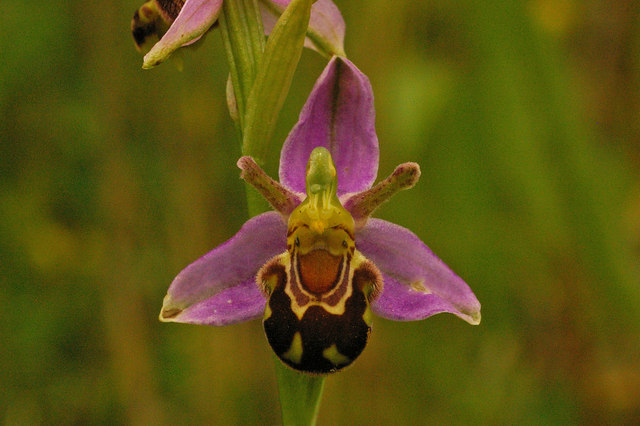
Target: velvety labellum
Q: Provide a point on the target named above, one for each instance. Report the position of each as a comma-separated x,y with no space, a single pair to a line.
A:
316,331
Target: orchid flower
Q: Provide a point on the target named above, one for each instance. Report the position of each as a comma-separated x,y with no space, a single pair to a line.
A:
160,27
318,266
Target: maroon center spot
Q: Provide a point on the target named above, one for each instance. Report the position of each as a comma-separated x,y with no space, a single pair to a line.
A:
319,271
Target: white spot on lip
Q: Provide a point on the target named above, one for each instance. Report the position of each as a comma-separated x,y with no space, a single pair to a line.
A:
229,301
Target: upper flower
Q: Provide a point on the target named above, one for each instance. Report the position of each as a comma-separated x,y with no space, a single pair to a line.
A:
321,263
160,27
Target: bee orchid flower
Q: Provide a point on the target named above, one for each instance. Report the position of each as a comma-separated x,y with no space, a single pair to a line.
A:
318,266
160,27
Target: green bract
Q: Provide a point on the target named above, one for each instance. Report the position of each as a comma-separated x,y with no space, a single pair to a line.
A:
273,80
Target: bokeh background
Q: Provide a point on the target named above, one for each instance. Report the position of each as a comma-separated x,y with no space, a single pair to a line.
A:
524,117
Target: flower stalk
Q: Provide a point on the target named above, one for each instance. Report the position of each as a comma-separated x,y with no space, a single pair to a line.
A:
260,82
300,395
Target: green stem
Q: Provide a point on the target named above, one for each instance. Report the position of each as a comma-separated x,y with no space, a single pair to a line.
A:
243,38
244,42
300,395
281,56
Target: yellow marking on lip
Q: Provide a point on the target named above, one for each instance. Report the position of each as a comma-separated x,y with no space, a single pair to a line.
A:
368,316
267,311
334,356
294,354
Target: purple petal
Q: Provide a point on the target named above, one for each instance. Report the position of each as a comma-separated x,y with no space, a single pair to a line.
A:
219,288
339,115
326,26
416,283
194,19
400,302
243,302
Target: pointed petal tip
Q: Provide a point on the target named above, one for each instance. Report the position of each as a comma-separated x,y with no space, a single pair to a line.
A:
233,305
169,311
148,64
169,314
158,54
473,318
469,308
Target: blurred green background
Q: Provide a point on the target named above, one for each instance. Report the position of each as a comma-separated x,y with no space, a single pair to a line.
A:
524,117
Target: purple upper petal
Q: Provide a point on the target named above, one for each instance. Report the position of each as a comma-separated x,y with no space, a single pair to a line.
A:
193,20
326,25
338,115
416,283
219,288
